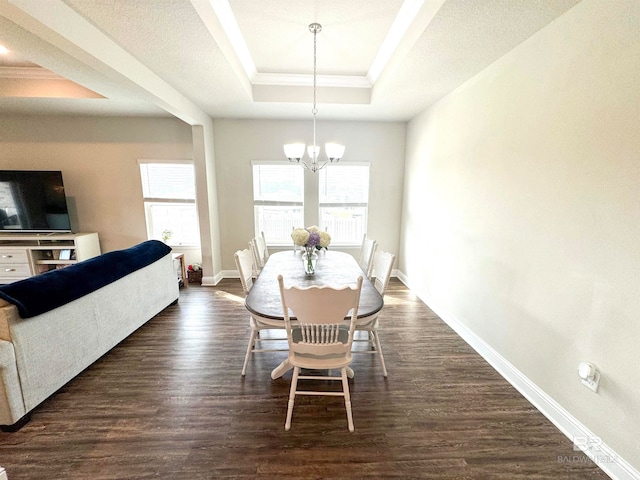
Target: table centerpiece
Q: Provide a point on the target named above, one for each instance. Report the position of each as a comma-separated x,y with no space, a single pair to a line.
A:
311,239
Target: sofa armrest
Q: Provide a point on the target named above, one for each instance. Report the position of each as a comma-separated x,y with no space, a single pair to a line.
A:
12,406
7,312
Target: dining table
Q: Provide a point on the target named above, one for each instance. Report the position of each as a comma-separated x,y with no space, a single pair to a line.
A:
333,268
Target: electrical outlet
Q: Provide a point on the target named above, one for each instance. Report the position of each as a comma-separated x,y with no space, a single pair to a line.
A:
592,383
590,375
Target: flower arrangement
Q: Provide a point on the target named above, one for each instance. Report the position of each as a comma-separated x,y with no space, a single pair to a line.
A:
195,267
311,239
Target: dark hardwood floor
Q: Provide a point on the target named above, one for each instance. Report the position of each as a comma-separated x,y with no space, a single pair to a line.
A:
169,402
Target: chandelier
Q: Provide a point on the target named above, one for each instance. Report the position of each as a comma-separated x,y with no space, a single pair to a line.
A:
295,151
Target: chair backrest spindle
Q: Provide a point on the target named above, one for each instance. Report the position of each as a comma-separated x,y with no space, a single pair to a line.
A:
320,312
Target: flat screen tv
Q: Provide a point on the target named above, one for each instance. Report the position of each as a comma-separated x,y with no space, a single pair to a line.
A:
33,201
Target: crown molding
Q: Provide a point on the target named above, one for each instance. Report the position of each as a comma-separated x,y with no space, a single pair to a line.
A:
304,80
37,73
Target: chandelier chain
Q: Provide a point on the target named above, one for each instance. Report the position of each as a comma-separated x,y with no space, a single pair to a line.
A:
315,31
315,46
295,151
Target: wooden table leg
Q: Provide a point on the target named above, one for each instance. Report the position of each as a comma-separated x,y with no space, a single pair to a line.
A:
281,369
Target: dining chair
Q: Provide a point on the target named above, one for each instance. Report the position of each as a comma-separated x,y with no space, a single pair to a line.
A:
244,264
255,270
258,247
318,339
380,275
367,252
364,241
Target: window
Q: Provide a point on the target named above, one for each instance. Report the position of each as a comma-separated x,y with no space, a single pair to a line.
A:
169,193
278,196
343,201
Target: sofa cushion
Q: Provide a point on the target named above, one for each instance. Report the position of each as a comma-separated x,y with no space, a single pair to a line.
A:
44,292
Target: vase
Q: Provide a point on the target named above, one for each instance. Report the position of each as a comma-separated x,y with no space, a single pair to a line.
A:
309,261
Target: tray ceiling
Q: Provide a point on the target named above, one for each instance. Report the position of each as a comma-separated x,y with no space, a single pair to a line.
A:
377,59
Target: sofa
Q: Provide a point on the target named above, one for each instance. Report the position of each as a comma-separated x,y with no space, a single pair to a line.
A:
54,325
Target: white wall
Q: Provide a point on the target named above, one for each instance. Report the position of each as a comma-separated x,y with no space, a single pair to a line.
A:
98,159
521,214
238,142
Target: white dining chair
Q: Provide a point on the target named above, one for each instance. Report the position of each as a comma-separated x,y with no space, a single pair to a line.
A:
364,240
244,264
367,252
318,339
260,251
380,275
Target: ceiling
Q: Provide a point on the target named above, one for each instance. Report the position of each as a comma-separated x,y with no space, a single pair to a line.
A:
377,60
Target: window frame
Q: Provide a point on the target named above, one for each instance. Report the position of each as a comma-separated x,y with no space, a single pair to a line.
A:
150,202
357,240
275,203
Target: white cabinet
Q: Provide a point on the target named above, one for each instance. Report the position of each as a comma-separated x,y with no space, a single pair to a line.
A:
25,255
14,264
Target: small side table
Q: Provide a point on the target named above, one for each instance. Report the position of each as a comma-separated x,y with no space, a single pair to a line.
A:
182,271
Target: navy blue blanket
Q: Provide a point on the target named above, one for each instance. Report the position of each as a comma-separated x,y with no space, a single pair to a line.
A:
41,293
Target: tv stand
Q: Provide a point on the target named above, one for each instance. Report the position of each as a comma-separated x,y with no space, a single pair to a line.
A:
24,255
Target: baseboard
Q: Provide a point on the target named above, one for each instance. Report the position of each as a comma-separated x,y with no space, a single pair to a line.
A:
212,281
601,454
230,274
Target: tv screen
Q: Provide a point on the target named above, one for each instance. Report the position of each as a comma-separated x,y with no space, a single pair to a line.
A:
33,201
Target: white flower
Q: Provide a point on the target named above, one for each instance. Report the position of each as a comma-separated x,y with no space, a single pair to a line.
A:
300,236
325,239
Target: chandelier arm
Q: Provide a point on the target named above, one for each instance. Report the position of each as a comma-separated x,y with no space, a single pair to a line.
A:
314,167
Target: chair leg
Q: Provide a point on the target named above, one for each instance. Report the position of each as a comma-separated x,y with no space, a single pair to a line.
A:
347,398
252,342
292,396
379,348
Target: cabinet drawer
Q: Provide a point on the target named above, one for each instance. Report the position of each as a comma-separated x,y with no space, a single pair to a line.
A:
13,256
7,280
13,270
